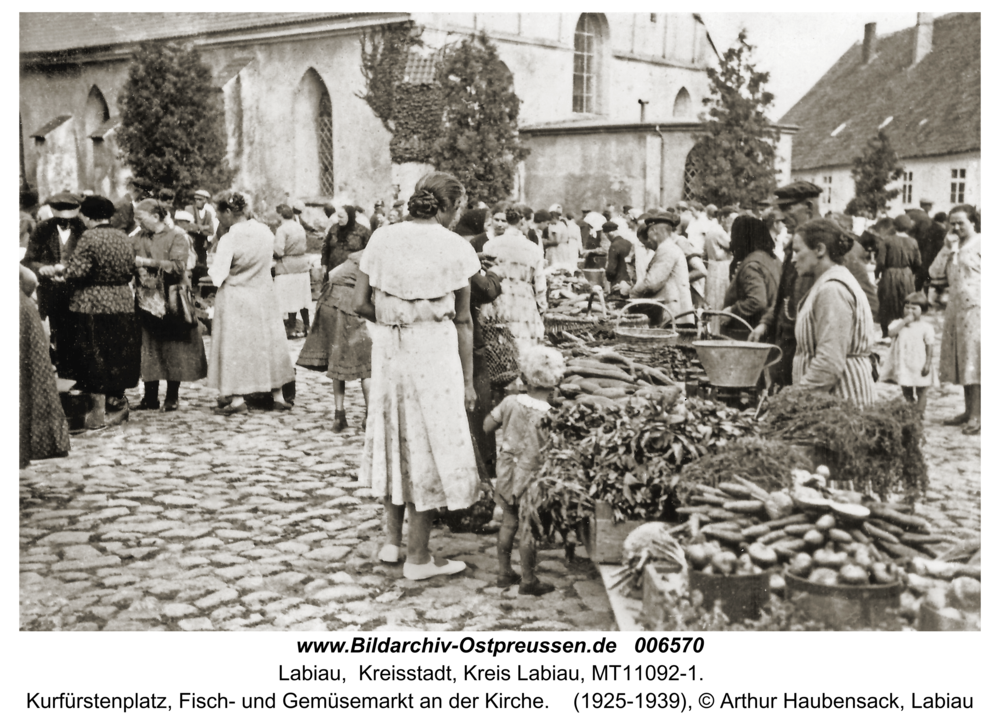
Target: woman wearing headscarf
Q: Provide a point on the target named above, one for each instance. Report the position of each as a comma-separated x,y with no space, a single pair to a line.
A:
755,271
103,339
291,271
414,286
898,257
961,339
42,428
338,343
171,350
833,328
347,235
249,352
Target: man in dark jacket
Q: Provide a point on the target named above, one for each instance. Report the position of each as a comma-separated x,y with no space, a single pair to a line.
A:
798,203
52,243
124,218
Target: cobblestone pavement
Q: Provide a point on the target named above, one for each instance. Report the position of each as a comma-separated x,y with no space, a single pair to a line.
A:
192,521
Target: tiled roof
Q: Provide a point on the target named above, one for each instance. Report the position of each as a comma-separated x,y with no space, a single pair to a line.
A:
101,131
934,106
47,32
420,67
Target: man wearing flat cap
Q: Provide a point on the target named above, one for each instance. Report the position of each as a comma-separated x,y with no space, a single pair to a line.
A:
666,280
618,253
51,244
799,203
201,231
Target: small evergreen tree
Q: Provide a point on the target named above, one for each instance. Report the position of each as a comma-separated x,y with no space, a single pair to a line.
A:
478,142
173,125
735,158
873,171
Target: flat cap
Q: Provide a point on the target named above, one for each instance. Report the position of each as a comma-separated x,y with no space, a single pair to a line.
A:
797,191
64,201
542,216
924,200
609,227
657,216
202,193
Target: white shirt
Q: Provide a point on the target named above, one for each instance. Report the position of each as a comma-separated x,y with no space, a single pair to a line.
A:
64,233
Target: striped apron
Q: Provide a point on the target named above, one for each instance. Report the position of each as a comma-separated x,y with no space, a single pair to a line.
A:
855,383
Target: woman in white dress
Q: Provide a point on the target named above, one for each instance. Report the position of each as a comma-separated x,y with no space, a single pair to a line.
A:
521,265
413,285
249,352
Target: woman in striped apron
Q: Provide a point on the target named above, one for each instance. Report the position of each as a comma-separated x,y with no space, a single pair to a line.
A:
834,330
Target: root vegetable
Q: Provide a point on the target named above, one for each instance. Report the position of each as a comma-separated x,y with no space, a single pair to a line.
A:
814,538
877,532
746,507
839,536
826,522
798,529
801,564
853,575
823,577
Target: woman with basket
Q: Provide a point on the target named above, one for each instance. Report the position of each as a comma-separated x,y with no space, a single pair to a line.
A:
172,347
521,264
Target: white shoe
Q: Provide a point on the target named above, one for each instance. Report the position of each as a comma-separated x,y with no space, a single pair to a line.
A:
389,554
430,569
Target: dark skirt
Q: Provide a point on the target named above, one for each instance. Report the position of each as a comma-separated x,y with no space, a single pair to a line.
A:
170,359
338,344
42,428
894,286
103,352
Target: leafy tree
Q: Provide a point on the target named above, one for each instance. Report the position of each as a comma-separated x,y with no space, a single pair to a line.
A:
173,125
735,158
873,171
478,143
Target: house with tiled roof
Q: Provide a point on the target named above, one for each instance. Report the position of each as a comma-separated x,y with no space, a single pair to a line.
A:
608,102
921,86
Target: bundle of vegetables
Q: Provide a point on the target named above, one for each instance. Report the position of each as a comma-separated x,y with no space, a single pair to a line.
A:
573,295
879,446
627,452
554,506
826,527
602,376
768,463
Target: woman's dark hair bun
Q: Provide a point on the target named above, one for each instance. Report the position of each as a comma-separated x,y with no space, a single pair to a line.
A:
423,204
513,215
232,202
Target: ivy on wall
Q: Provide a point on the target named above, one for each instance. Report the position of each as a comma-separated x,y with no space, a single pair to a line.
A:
464,123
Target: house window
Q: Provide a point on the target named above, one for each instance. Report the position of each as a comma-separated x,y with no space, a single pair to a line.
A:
586,50
691,177
907,187
828,189
957,186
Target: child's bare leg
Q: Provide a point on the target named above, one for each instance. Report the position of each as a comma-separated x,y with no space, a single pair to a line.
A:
530,585
505,545
921,399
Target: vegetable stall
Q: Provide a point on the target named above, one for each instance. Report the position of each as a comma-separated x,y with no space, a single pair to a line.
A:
801,496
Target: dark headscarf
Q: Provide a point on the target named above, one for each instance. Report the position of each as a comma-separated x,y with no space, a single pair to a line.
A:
343,232
472,223
748,235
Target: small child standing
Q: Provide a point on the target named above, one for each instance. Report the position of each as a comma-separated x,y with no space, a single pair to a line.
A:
520,415
912,351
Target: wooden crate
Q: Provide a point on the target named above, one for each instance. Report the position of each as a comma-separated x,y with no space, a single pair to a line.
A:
662,583
605,536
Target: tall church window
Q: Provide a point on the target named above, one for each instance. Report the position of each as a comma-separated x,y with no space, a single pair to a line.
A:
313,120
588,63
682,104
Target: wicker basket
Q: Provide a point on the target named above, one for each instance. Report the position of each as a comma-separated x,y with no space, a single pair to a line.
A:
558,323
647,337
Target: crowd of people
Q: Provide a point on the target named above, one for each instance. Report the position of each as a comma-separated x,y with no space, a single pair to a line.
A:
414,297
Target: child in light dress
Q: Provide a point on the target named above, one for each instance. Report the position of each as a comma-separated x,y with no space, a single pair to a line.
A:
520,415
912,351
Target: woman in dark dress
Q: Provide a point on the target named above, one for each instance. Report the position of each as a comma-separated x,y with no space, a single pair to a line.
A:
103,338
171,352
755,272
42,428
345,237
898,258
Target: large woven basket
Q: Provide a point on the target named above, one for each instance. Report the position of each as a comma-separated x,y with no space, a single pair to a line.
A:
646,337
559,323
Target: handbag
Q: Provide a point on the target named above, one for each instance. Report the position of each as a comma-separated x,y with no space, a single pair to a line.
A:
180,304
149,293
501,353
